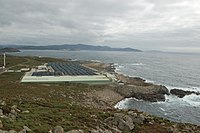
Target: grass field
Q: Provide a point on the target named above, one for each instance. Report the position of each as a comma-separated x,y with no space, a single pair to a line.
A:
17,62
49,105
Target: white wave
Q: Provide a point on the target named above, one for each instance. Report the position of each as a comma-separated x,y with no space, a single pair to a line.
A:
149,81
169,99
193,100
74,60
123,104
137,64
96,61
121,66
118,68
116,64
162,109
189,100
132,98
124,65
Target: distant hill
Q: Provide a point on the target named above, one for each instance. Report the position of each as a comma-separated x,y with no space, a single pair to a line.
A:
9,50
75,47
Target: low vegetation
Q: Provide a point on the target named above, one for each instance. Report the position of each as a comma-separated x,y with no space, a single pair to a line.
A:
44,106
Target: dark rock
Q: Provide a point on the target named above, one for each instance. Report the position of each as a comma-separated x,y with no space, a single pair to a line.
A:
99,130
1,112
121,121
27,129
58,129
1,124
1,131
132,113
137,119
182,93
2,103
12,117
109,121
6,110
162,124
14,107
152,93
172,130
13,112
75,131
163,90
12,131
25,112
150,97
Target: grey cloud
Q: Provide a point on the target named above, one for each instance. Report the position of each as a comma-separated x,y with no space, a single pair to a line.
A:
144,24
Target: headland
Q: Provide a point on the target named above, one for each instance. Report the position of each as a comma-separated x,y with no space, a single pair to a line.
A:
77,107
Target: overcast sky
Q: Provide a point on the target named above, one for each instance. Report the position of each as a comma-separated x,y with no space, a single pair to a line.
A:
169,25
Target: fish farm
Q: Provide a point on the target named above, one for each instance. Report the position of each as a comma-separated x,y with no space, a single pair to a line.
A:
71,68
61,68
65,72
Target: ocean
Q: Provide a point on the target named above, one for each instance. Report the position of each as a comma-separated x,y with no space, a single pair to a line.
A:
174,70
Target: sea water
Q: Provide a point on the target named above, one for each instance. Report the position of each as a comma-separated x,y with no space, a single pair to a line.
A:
174,70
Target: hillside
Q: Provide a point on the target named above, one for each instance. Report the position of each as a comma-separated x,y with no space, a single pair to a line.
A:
73,108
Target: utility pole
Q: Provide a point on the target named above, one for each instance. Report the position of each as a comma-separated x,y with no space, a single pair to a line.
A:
4,60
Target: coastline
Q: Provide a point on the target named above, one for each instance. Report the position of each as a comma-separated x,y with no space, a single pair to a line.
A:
129,87
113,94
140,90
89,107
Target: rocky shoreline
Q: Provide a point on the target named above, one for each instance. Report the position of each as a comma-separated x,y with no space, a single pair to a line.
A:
181,93
136,87
125,121
152,93
81,108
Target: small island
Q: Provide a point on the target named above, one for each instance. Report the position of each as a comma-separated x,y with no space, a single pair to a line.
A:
3,50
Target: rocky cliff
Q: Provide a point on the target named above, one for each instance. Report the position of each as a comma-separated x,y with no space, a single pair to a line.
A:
151,93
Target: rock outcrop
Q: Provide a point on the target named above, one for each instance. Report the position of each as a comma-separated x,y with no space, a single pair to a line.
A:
99,130
152,93
182,93
126,122
58,129
75,131
8,112
1,124
24,130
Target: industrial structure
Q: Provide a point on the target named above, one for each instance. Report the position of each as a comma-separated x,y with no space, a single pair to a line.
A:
65,72
4,61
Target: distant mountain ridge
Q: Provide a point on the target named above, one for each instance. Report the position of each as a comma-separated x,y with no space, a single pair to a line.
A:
75,47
